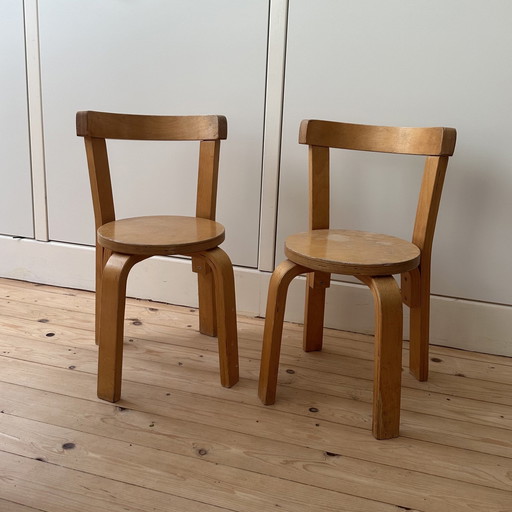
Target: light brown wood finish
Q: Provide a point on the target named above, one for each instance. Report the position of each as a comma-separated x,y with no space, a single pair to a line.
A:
319,188
10,506
112,306
387,375
161,235
121,243
423,236
206,296
373,258
166,447
102,201
276,304
317,282
206,205
342,251
314,310
106,125
102,256
225,307
383,139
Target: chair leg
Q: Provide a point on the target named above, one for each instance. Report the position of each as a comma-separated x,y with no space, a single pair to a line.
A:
111,324
224,286
273,331
206,295
388,355
102,256
419,327
314,309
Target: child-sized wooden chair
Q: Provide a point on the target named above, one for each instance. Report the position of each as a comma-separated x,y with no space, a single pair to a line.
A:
123,243
372,258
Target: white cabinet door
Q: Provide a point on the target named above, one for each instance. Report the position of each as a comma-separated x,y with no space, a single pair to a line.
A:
155,57
421,63
16,189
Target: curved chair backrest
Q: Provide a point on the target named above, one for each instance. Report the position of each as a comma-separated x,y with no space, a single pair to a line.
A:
436,144
106,125
96,127
383,139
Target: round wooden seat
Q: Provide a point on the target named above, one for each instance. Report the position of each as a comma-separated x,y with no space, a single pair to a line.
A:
161,235
340,251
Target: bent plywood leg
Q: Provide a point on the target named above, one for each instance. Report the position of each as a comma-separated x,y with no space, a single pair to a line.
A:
113,299
224,285
388,355
206,295
314,310
273,332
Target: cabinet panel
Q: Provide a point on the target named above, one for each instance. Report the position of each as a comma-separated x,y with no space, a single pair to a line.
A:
423,63
156,57
16,190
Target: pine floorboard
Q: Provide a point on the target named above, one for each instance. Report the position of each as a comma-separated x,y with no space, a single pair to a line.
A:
179,441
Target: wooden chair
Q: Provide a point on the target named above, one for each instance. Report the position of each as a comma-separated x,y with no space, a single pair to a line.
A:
372,258
123,243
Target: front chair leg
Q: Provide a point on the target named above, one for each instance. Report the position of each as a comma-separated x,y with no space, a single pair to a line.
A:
273,331
224,285
206,295
314,308
388,355
111,324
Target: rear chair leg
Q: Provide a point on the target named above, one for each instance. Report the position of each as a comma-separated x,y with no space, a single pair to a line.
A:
314,310
206,289
416,284
102,255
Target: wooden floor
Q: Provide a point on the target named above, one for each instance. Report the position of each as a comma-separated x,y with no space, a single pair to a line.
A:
178,441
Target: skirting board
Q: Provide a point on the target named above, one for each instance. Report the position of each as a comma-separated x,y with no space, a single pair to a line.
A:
464,324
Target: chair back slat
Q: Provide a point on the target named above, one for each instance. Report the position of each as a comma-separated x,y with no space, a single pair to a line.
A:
384,139
105,125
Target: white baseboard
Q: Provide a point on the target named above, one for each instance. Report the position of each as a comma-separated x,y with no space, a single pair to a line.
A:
464,324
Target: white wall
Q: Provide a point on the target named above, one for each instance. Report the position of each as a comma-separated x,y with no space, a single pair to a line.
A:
15,191
397,62
155,57
422,63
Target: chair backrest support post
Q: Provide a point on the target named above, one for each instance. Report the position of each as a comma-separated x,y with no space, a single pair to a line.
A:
99,177
428,203
319,190
207,179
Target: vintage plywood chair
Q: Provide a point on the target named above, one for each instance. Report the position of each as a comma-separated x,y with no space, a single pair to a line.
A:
372,258
123,243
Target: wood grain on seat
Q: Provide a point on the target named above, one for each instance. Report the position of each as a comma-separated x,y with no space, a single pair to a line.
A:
161,235
340,251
